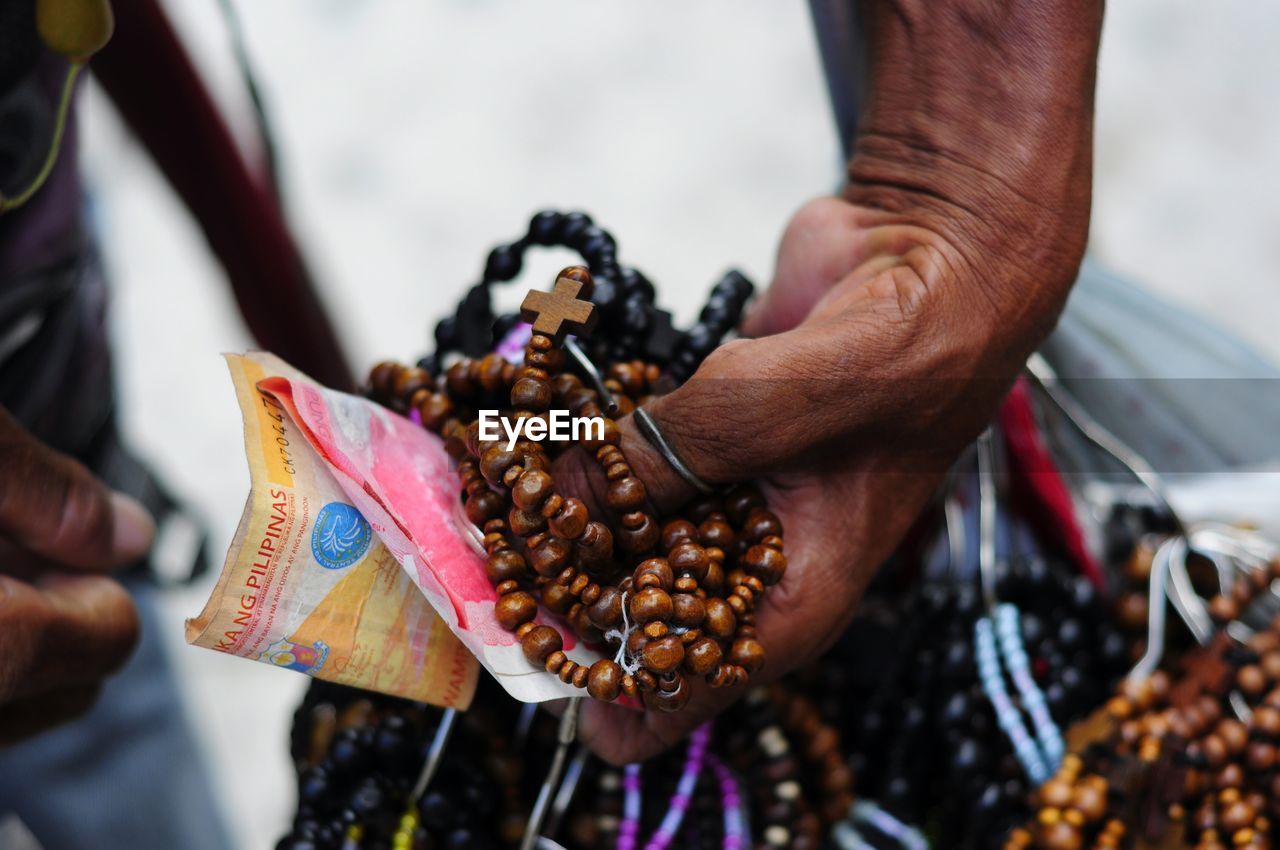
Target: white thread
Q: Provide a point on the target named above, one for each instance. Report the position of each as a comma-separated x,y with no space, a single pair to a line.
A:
629,667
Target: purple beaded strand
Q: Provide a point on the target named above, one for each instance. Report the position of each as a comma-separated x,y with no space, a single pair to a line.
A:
735,834
679,804
629,829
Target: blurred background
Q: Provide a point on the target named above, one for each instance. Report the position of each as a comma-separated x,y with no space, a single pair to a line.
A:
414,136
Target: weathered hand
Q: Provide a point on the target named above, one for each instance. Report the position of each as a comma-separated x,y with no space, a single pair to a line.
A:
898,316
64,626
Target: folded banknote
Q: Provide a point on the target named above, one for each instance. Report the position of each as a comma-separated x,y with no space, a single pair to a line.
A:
388,481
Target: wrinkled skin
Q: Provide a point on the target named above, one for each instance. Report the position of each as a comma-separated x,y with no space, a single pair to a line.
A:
898,316
64,624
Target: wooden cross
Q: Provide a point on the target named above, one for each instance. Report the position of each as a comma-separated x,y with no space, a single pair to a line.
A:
562,311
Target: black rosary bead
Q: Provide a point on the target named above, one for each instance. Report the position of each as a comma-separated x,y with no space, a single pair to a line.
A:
572,227
631,282
504,263
544,227
595,242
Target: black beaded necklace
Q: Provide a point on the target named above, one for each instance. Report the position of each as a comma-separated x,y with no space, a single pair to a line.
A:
631,325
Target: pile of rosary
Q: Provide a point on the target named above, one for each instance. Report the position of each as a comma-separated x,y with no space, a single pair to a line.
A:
975,702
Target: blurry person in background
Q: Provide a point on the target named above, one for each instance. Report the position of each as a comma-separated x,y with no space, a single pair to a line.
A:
96,750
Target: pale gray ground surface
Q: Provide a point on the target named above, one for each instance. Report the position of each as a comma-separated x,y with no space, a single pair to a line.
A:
417,134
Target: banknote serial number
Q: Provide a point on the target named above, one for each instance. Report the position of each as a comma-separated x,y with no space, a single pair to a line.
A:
555,425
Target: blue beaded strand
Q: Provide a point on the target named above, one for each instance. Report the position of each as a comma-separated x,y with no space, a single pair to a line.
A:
1007,715
1009,633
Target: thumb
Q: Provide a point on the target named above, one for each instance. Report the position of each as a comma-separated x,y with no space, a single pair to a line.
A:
51,506
753,408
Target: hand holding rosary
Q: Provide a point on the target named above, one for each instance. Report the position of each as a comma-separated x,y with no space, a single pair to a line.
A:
673,597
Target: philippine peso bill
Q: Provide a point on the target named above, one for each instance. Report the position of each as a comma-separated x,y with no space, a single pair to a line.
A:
307,585
400,479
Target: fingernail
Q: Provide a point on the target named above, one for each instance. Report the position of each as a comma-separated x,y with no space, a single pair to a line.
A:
133,529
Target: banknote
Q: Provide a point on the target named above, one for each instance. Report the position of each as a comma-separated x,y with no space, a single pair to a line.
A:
399,478
307,585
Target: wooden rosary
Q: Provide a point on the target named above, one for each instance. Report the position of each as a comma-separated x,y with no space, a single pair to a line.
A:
673,598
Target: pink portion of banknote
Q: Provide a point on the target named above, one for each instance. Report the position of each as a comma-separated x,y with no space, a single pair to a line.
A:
401,480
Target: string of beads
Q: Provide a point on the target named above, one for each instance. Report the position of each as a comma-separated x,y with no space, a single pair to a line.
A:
687,587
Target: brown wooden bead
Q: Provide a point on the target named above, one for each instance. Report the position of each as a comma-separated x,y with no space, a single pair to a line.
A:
505,565
655,630
531,489
571,521
550,557
688,611
691,558
556,597
1059,835
381,378
609,435
720,621
538,643
483,506
555,661
1057,793
508,586
1223,609
1260,756
702,507
667,698
646,682
761,523
552,506
489,371
1090,802
1270,664
1251,680
1237,816
434,410
566,671
515,609
626,494
1233,734
651,604
654,572
606,611
764,563
716,531
581,675
740,504
1231,776
713,581
663,655
677,531
1214,750
409,381
702,656
747,653
604,681
525,523
1266,719
586,630
595,547
638,534
636,642
530,393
